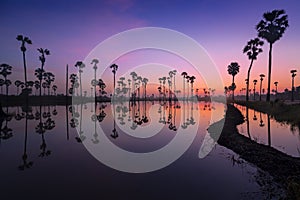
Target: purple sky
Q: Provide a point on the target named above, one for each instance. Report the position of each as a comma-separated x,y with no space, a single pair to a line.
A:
71,29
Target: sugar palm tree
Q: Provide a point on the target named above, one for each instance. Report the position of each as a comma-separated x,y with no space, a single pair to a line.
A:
145,81
114,68
184,74
192,80
271,28
254,84
252,49
80,65
260,88
293,72
233,69
42,58
18,84
5,70
54,88
94,83
24,40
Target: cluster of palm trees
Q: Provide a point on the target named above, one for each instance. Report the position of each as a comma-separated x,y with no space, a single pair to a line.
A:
271,28
44,79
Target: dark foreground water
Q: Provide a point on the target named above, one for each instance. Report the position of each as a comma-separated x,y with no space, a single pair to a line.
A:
51,160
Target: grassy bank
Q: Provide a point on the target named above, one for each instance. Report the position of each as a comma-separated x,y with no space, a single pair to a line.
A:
278,110
284,168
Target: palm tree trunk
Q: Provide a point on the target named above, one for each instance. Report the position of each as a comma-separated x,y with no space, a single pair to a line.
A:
233,88
248,78
260,90
25,73
269,73
292,88
80,85
183,92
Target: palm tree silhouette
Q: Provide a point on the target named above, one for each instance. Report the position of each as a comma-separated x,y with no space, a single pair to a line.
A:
2,82
54,88
261,80
18,84
42,58
233,70
5,70
80,65
49,78
192,80
145,81
184,74
252,49
94,82
24,40
293,72
271,28
254,84
276,84
114,68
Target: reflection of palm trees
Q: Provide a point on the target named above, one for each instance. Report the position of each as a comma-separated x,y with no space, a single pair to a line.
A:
271,28
247,121
24,40
252,49
261,122
233,70
114,131
269,129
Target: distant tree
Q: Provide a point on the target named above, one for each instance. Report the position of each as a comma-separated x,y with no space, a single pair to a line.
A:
271,28
254,91
183,74
42,58
114,68
260,88
5,70
233,69
293,72
80,65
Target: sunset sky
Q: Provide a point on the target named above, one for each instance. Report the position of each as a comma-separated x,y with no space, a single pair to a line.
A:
71,29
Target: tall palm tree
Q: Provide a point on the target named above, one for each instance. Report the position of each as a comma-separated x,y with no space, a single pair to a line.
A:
184,74
114,68
254,84
271,28
80,65
42,58
24,40
5,70
276,84
261,80
188,88
2,82
293,72
252,49
233,69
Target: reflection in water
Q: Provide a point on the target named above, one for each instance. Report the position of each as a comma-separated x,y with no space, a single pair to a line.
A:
172,116
263,129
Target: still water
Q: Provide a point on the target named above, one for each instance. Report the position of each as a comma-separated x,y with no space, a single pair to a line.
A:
52,156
